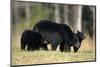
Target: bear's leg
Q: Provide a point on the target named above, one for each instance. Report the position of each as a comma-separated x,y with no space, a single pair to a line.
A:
75,49
29,47
55,40
61,46
53,43
44,46
37,48
67,48
54,46
23,46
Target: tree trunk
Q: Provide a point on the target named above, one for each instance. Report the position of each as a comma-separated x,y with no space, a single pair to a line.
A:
27,12
57,19
15,14
93,9
75,17
65,7
79,19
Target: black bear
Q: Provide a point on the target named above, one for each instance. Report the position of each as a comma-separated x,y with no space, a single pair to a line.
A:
57,34
81,37
65,46
33,40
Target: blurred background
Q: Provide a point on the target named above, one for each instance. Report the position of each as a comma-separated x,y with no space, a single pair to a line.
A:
78,17
24,15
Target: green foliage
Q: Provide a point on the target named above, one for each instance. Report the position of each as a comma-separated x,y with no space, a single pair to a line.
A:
38,12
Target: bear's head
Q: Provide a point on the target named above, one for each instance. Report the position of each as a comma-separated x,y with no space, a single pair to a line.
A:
81,37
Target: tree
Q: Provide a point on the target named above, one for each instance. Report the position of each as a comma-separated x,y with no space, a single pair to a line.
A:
94,20
28,13
75,14
65,7
14,12
57,19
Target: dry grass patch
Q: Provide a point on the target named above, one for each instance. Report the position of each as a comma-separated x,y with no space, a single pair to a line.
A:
19,57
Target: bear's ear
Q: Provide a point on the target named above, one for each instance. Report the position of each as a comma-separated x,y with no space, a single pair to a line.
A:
78,31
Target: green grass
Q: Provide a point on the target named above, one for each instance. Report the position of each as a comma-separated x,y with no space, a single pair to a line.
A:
19,57
42,57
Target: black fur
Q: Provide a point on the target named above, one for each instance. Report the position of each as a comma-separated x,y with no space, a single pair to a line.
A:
33,40
57,34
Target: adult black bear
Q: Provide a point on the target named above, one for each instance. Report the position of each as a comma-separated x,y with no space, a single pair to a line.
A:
57,34
81,37
33,40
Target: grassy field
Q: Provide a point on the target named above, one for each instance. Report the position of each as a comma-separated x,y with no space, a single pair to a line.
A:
19,57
